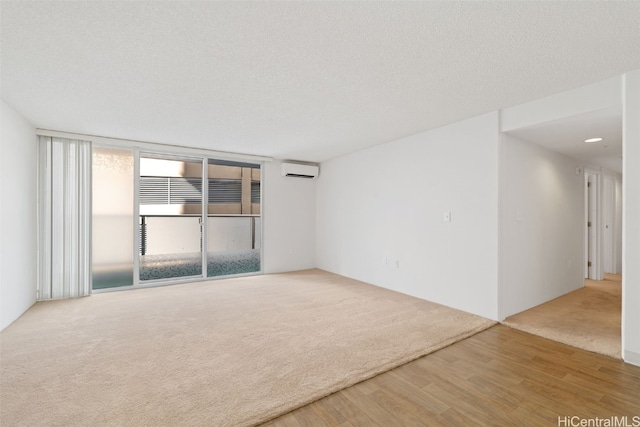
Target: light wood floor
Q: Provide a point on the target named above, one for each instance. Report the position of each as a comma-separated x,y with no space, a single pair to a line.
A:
501,376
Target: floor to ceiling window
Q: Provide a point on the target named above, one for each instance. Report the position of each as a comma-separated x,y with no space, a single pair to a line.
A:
113,218
161,218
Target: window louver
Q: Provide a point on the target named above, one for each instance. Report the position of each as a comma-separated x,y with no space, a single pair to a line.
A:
255,192
225,191
154,190
185,191
166,190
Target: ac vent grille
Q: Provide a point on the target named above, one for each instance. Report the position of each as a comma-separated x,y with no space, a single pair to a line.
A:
297,175
299,170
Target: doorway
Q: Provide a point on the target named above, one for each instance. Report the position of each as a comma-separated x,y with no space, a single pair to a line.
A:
603,224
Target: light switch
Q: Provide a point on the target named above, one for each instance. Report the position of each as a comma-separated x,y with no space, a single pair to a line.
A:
447,217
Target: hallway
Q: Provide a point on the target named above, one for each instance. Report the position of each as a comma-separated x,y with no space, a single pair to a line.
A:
588,318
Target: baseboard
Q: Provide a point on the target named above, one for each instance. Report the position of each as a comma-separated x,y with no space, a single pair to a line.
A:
632,357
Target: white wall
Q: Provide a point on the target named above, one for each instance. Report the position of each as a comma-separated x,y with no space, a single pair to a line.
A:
631,214
541,225
18,215
387,203
288,221
591,97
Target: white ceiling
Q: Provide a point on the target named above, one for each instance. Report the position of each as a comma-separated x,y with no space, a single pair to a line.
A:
298,80
567,136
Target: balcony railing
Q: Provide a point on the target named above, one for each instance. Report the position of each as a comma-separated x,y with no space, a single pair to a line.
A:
175,234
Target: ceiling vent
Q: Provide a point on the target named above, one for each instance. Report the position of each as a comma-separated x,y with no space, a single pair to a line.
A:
297,170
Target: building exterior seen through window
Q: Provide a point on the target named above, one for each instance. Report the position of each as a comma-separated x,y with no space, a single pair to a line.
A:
176,238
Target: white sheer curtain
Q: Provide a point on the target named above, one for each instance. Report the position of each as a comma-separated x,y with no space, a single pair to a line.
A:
64,216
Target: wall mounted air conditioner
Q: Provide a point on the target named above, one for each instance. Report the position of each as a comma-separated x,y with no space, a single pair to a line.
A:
298,170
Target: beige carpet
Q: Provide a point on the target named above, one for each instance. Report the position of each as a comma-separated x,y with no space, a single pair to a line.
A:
588,318
222,353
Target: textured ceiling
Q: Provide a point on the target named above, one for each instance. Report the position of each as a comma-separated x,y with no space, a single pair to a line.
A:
301,80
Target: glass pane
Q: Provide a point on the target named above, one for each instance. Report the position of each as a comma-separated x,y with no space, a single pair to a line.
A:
170,218
113,244
233,248
233,223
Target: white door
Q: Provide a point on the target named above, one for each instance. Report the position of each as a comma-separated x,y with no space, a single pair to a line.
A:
591,226
608,217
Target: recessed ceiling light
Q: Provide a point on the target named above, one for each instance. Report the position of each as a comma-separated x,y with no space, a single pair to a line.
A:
593,140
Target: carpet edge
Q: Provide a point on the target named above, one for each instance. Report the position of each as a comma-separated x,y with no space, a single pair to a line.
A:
377,371
541,333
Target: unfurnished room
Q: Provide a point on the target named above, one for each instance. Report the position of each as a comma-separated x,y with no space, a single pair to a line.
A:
319,213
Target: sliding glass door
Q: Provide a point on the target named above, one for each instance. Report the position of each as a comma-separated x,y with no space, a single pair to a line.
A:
170,218
233,220
190,218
